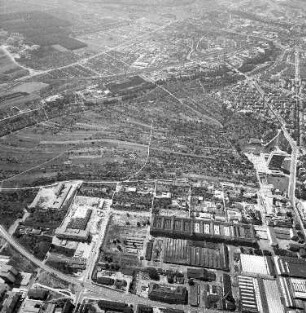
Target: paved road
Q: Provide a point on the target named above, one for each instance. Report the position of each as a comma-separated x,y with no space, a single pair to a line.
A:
4,234
294,158
293,145
83,289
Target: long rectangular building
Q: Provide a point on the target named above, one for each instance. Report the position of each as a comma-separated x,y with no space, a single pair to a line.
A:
168,294
187,228
179,251
259,295
292,267
255,265
294,292
194,295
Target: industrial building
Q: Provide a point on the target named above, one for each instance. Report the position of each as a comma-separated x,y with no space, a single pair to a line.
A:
104,280
255,265
187,228
55,197
194,295
249,294
294,292
201,274
292,267
149,250
114,306
75,228
141,308
259,295
72,234
80,222
168,294
179,251
76,225
273,296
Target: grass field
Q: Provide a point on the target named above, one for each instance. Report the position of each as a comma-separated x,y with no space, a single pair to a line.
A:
18,261
8,69
88,141
52,281
29,87
281,183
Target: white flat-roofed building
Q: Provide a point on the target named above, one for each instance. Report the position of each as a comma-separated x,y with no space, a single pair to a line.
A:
254,265
260,295
248,293
273,296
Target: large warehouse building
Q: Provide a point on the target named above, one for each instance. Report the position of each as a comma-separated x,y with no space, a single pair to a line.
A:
179,251
292,267
255,265
259,295
187,228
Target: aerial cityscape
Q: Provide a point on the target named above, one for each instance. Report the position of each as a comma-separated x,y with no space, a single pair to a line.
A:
152,156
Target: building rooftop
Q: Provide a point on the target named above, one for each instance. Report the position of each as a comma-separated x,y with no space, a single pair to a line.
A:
254,264
31,306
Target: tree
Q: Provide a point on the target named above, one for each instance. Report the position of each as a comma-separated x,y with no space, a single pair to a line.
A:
170,279
116,266
153,274
190,282
91,308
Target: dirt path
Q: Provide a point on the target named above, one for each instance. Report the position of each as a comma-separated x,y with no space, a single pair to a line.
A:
10,56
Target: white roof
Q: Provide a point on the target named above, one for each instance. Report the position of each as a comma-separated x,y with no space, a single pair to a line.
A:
254,264
273,296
